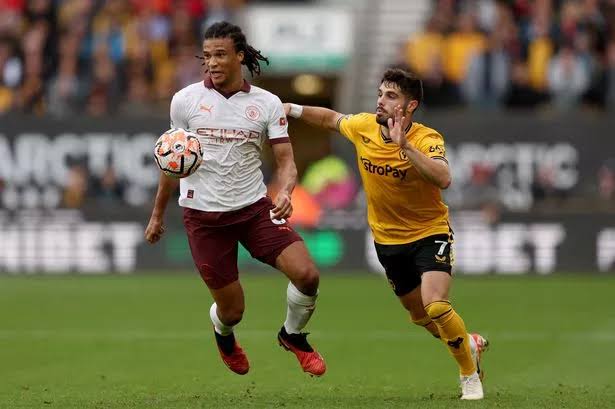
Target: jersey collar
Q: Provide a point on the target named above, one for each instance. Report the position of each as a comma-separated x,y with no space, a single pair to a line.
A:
245,87
387,139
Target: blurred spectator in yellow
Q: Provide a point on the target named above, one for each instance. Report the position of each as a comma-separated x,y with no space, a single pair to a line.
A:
424,50
423,54
461,46
540,50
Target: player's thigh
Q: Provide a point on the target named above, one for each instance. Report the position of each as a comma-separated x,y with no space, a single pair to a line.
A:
399,267
214,250
435,286
265,238
279,245
433,259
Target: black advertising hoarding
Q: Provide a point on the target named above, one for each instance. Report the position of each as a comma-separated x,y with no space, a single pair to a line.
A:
543,174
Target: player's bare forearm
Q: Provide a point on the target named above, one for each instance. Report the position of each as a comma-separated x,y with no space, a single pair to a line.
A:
286,174
155,227
435,171
316,116
286,170
166,187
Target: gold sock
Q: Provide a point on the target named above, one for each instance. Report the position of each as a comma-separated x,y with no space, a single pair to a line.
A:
453,332
429,325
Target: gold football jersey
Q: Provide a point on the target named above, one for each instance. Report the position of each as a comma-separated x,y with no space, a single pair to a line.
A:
402,206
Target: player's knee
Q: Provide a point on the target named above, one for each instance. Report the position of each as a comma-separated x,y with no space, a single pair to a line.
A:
433,296
231,315
307,278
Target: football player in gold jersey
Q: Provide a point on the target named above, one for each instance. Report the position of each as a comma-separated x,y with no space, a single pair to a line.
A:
403,167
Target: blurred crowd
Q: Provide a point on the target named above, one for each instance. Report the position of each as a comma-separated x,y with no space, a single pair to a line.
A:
516,53
100,57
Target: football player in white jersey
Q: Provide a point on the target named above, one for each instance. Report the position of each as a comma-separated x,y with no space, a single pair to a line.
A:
225,201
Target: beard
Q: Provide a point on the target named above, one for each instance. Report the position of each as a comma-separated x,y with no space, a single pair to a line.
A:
383,119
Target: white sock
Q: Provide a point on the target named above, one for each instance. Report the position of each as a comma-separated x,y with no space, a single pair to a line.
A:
300,309
219,326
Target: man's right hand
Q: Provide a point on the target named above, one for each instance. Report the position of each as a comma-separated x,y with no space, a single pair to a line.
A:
154,230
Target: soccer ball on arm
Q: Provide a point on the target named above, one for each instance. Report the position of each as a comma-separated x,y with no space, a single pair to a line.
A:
178,153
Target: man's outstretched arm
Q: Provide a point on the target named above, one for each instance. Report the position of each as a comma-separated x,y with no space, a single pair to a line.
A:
316,116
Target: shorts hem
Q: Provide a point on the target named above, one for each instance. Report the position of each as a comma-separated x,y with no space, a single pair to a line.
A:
423,269
271,258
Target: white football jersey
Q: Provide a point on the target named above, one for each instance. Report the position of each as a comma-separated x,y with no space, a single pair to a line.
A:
232,130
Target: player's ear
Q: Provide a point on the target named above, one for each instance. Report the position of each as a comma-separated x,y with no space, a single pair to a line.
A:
412,106
240,56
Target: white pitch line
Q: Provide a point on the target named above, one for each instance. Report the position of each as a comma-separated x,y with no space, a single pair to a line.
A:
149,334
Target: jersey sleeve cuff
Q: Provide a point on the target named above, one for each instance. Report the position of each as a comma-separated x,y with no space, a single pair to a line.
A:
284,139
442,158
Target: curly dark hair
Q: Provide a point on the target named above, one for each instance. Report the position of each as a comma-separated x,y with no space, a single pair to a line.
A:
408,83
252,56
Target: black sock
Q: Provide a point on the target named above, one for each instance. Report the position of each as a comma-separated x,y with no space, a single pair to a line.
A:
226,343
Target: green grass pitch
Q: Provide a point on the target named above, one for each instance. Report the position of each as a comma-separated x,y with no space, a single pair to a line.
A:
146,342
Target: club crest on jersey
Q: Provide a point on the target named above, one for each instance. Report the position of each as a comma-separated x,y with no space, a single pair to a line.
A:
386,170
403,155
252,113
364,139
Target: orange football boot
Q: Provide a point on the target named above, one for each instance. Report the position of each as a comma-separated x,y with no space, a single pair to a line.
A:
232,354
309,359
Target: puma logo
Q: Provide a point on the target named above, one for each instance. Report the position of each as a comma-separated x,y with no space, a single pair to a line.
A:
205,108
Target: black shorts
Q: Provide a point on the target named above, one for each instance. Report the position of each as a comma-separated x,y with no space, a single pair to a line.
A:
404,264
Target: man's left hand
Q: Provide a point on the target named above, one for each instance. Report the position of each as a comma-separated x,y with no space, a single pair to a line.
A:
396,128
283,207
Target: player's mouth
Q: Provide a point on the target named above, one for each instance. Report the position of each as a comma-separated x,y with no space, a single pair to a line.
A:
216,75
380,111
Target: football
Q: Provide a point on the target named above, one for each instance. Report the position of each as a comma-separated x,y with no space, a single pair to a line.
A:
178,153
